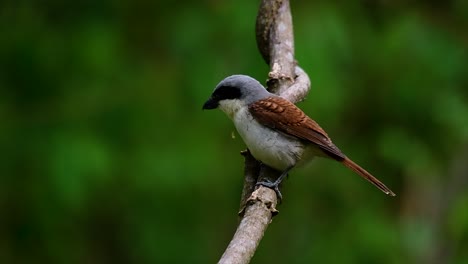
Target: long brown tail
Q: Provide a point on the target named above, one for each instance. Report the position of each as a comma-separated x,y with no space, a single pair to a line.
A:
366,175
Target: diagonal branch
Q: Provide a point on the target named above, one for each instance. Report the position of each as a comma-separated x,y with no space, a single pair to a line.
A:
275,41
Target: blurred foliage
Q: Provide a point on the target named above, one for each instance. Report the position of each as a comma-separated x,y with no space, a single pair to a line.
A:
108,158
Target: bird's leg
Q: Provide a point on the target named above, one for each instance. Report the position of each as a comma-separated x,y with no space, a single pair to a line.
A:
275,185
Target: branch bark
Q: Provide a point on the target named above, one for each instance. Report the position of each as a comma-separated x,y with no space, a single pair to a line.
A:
257,216
275,41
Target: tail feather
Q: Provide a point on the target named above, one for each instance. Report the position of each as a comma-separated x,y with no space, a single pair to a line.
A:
366,175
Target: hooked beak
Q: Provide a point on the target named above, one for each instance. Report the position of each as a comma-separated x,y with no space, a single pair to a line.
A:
210,104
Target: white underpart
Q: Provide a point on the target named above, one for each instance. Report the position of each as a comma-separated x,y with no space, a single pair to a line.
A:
270,147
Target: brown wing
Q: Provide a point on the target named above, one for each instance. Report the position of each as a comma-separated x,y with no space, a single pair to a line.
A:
282,115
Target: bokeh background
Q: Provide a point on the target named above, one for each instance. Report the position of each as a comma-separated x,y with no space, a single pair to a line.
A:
107,157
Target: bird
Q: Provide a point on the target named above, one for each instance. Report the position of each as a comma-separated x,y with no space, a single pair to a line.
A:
277,132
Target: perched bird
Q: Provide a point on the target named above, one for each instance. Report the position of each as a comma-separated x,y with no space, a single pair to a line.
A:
277,132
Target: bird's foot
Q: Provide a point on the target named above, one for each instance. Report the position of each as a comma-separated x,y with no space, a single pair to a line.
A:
272,185
275,185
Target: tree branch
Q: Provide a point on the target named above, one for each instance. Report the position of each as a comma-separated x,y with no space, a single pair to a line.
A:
258,213
275,41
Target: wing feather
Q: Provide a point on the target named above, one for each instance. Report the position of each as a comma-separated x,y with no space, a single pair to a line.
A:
280,114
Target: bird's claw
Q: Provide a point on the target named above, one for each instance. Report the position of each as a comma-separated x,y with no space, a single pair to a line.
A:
272,185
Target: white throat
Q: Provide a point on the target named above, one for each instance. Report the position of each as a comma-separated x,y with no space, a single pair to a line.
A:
231,107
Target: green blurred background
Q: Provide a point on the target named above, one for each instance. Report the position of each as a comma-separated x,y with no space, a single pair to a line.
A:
107,157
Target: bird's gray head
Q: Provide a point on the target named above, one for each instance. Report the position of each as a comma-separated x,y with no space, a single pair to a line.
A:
234,92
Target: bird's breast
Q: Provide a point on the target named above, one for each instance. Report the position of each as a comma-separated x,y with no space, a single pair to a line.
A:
267,145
